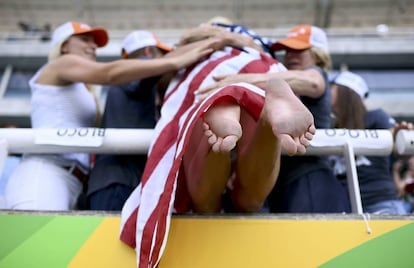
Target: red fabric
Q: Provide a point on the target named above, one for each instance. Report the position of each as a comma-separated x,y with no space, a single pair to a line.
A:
146,214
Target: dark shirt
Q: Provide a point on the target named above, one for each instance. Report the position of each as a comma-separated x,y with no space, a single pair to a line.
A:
127,106
131,105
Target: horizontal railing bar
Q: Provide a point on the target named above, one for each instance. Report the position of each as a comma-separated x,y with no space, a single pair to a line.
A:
134,141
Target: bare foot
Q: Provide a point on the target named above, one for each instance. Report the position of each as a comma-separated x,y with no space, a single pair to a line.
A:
222,126
289,118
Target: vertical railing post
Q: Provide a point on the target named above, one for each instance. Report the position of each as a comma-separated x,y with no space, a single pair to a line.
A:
352,179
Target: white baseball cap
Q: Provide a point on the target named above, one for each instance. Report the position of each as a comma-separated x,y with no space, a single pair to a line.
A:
352,81
64,31
303,37
140,39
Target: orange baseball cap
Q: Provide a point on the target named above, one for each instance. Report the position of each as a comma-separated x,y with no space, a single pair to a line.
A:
68,29
303,37
140,39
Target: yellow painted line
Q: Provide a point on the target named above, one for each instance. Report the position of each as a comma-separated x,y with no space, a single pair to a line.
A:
104,249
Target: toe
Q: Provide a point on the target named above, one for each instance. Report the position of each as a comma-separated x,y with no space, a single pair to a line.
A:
229,143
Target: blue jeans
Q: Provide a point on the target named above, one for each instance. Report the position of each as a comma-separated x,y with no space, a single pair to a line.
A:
110,198
387,207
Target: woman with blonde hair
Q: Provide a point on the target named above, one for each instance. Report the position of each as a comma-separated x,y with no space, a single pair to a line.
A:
61,98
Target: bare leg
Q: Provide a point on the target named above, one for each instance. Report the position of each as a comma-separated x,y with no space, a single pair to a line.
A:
260,147
286,124
206,172
222,126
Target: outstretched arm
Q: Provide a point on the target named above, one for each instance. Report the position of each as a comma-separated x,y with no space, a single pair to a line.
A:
71,68
303,83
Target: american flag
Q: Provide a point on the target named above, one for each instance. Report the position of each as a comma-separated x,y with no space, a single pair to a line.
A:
146,215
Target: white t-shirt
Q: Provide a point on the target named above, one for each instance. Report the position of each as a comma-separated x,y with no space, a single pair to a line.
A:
71,106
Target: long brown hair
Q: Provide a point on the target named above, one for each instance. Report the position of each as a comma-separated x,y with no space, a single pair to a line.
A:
349,109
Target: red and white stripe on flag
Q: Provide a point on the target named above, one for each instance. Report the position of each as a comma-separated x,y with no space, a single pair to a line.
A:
147,213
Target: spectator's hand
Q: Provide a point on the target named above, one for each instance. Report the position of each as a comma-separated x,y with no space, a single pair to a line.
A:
195,54
400,126
210,31
200,33
239,40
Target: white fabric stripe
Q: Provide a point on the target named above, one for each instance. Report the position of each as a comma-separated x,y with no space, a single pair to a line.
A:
153,189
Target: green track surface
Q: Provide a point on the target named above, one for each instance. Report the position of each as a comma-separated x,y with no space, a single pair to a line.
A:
42,241
391,250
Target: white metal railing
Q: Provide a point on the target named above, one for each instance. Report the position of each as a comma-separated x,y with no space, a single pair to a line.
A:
404,142
132,141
